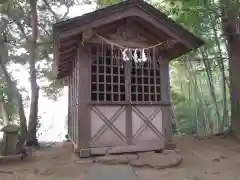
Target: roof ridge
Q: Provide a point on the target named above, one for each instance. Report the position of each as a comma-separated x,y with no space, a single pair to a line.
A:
123,3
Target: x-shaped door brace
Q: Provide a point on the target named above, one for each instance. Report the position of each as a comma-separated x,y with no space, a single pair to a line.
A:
147,123
108,124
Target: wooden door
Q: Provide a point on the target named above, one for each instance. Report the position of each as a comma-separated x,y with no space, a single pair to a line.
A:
125,112
146,110
109,99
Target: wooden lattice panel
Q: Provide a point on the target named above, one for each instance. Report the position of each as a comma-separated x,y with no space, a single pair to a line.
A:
108,126
145,80
146,123
107,74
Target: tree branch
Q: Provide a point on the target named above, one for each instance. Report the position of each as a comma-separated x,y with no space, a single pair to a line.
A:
66,13
50,9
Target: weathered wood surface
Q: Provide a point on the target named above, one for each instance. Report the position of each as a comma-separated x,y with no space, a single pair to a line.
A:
108,172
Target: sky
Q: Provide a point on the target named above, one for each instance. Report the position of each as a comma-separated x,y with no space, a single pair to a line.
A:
53,114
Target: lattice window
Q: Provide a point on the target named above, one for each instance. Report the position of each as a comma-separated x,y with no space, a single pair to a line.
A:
108,77
145,80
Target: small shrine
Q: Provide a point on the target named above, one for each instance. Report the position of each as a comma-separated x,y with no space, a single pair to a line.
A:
116,60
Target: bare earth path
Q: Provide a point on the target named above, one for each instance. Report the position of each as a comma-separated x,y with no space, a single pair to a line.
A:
211,159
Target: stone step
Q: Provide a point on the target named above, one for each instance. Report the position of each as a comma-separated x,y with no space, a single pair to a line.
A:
111,172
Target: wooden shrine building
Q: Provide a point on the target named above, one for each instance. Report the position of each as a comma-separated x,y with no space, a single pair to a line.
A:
116,61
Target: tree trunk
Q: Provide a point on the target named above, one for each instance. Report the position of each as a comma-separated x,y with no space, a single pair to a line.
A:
211,89
4,111
230,22
33,117
14,92
23,121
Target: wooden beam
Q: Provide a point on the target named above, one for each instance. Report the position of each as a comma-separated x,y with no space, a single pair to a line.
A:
67,43
86,35
65,51
67,56
132,44
122,43
65,66
65,63
63,73
177,51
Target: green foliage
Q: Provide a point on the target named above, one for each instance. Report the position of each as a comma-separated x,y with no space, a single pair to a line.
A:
200,78
15,28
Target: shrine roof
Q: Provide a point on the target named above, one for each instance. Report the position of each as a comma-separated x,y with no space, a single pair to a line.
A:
68,33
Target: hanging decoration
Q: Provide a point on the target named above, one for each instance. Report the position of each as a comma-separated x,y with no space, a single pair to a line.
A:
135,54
124,55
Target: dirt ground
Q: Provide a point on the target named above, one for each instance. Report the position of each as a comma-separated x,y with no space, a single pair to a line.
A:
211,159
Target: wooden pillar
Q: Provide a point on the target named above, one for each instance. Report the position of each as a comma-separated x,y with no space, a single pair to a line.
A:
128,123
84,98
165,98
